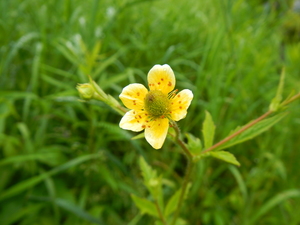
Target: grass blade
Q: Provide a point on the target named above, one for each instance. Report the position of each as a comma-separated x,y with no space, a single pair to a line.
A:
23,185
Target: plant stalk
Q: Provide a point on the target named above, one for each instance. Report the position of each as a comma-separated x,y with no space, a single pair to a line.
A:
295,97
161,216
239,131
185,183
188,171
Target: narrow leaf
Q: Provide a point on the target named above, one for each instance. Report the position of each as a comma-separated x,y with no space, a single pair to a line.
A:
239,179
225,156
24,185
172,204
277,199
145,205
253,131
208,130
76,210
24,158
173,201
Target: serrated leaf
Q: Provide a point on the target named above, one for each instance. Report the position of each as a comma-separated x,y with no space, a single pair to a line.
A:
152,181
253,131
194,144
145,205
225,156
208,130
147,171
139,136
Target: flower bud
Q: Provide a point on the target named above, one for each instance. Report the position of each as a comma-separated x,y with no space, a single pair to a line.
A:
86,91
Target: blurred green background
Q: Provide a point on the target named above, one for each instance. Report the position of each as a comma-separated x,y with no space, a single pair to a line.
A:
63,161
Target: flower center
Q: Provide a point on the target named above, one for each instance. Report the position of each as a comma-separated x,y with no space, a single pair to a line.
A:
156,103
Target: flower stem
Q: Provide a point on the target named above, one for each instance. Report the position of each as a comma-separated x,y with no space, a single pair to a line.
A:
181,142
188,171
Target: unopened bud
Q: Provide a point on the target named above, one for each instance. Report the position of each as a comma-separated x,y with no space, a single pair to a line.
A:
86,91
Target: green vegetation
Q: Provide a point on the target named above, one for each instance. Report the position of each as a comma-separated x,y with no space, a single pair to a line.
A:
64,161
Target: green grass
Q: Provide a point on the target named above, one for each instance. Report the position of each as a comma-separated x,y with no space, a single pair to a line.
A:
67,162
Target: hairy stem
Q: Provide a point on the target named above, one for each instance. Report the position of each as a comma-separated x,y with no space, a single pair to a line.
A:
188,171
183,189
181,142
238,132
295,97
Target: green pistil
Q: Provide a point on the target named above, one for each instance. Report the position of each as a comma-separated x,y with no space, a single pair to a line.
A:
157,104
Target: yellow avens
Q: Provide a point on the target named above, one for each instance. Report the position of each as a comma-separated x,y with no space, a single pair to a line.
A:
152,110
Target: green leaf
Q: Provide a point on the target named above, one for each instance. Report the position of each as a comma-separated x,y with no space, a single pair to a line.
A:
147,171
24,185
239,179
145,205
152,181
172,203
135,220
76,210
14,215
277,199
108,177
46,156
98,89
225,156
252,132
275,103
208,130
194,144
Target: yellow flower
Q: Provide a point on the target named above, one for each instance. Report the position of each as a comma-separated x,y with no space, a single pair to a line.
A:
152,110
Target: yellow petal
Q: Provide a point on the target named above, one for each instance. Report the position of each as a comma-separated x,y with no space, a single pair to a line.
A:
133,120
180,104
161,78
133,96
156,132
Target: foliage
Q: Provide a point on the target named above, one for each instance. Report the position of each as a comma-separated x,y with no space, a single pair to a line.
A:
63,161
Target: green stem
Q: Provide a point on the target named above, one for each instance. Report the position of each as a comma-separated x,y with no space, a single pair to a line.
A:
188,171
117,107
181,142
183,190
161,216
